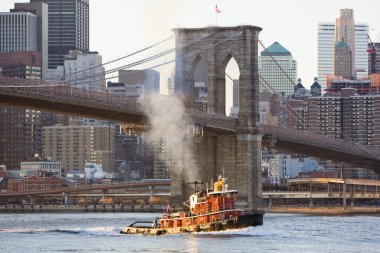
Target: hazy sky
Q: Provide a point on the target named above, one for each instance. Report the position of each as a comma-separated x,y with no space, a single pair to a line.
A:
121,26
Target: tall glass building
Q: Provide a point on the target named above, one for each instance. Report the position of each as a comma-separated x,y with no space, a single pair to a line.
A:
326,44
361,46
68,28
345,31
356,36
270,72
40,9
18,32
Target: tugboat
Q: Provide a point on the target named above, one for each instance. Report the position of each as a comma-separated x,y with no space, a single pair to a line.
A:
208,211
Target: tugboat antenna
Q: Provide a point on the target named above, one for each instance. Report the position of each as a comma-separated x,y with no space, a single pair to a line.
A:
195,183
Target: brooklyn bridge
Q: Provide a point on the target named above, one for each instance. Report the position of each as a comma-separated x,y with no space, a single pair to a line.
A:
229,144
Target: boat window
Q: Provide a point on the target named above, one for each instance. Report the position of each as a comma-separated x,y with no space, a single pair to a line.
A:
142,224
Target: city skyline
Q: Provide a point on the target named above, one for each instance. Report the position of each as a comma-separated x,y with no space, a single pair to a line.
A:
296,28
262,147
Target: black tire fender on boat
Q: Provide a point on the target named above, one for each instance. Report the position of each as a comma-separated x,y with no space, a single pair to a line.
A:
212,226
230,224
219,226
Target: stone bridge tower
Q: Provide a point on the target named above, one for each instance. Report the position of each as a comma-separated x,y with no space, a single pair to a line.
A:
237,156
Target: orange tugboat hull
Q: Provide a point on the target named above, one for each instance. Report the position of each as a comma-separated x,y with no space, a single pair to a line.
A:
208,211
238,222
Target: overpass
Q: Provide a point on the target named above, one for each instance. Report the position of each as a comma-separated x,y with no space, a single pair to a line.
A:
146,189
145,184
41,95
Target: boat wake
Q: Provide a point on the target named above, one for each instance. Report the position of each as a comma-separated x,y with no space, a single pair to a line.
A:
260,231
23,230
104,231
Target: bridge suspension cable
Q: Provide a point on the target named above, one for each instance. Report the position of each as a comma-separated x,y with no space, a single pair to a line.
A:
151,67
122,57
269,89
136,63
191,54
165,53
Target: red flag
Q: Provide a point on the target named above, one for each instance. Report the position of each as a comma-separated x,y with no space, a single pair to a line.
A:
217,10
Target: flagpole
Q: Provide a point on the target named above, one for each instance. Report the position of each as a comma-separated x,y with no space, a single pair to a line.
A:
217,11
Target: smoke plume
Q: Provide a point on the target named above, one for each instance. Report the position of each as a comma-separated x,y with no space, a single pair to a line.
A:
169,127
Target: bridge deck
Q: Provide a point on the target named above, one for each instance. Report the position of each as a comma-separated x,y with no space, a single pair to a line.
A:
43,95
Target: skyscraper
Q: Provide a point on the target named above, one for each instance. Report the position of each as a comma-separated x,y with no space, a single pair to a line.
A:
18,32
19,128
326,43
68,28
272,74
40,9
374,58
343,60
361,55
84,70
345,31
356,36
140,82
20,135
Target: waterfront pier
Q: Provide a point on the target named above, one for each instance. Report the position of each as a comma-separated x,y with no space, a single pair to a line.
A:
326,192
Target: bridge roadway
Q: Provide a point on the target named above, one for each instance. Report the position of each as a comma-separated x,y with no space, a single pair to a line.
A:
42,95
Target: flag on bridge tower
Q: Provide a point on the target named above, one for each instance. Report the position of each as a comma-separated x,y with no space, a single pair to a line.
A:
217,11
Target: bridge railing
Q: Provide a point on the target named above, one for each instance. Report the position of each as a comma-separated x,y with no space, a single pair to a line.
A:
98,99
65,93
212,120
102,100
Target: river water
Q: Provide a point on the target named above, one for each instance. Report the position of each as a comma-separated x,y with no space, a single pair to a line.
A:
99,232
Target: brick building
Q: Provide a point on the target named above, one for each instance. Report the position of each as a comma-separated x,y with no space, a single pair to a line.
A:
34,183
24,65
75,144
346,116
